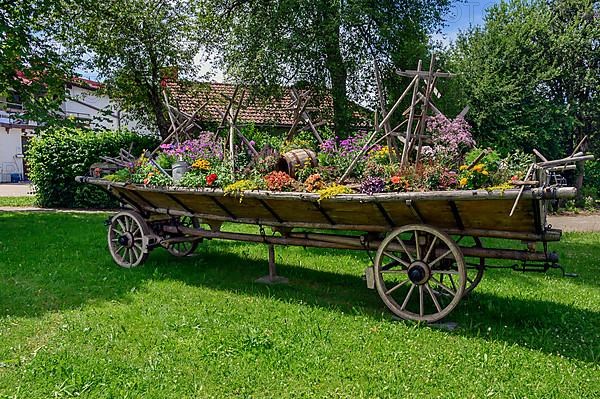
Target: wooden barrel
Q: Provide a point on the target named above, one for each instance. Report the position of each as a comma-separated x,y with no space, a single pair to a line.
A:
294,160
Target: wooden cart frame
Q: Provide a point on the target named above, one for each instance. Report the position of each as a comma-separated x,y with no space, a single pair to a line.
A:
428,248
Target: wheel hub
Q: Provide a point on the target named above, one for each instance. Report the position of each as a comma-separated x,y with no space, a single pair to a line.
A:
419,272
126,240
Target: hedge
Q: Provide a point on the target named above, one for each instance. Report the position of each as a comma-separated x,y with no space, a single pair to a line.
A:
56,156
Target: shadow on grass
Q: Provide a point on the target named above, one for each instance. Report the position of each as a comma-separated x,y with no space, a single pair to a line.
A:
59,279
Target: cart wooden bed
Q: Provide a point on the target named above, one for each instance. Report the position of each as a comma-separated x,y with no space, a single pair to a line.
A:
428,248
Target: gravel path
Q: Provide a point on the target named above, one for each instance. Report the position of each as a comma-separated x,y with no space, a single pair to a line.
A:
15,190
576,222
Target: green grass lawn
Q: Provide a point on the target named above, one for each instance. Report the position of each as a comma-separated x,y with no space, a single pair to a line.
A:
73,323
18,201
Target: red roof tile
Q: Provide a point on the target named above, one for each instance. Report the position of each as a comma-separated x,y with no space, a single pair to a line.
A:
272,112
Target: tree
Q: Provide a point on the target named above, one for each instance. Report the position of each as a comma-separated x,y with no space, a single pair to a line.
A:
33,66
131,43
531,75
323,42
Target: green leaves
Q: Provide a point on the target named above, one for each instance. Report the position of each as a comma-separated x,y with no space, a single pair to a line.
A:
532,75
56,156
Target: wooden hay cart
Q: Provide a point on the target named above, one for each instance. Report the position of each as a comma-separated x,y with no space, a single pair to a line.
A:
428,248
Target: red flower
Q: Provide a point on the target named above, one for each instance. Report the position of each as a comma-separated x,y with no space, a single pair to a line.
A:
210,179
396,179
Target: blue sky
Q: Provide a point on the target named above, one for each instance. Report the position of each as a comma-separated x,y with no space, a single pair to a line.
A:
461,16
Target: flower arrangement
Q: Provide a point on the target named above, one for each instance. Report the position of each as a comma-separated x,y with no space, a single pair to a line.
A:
201,164
443,166
333,190
280,181
372,185
238,188
476,177
314,183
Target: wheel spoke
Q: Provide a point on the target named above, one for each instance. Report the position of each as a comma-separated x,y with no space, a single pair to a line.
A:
440,258
394,288
449,272
137,255
417,245
397,259
134,232
123,229
452,281
443,286
388,266
433,242
407,298
394,271
421,302
405,249
432,295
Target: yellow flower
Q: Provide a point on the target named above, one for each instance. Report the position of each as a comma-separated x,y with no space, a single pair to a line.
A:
485,172
478,167
201,164
463,181
463,167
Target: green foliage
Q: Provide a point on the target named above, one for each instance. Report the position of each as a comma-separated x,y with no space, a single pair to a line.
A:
531,75
591,180
56,156
302,140
121,176
27,48
132,44
262,138
322,43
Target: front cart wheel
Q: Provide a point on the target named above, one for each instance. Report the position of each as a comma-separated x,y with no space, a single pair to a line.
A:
420,273
127,239
185,248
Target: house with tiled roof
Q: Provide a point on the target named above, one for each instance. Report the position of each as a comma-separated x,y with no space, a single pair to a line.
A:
270,112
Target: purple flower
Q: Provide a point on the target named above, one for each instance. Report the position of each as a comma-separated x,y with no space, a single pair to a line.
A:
372,185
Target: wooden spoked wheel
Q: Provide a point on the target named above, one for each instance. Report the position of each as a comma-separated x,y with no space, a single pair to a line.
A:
420,273
185,248
127,239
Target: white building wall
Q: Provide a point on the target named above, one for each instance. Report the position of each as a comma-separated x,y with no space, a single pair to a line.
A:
85,104
11,153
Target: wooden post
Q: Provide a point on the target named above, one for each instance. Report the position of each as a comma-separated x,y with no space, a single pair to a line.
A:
404,159
272,277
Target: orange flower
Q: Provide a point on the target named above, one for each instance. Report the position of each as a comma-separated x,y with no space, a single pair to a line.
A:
396,179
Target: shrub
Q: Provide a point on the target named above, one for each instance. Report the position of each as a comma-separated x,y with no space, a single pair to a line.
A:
56,156
591,179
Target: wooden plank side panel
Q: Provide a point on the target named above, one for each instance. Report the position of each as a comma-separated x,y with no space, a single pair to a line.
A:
354,213
493,215
246,208
296,211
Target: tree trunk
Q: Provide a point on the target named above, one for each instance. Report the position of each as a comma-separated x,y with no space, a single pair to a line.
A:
334,62
158,110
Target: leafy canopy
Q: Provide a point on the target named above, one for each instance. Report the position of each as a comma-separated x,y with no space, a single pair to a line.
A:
531,74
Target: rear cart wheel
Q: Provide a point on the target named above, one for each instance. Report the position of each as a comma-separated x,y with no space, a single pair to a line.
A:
420,273
128,239
185,248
